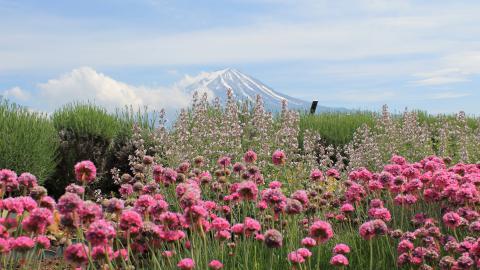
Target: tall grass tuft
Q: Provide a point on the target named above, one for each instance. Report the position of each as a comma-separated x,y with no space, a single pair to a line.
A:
28,141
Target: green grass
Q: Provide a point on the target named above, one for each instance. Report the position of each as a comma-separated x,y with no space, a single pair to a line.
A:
336,128
28,141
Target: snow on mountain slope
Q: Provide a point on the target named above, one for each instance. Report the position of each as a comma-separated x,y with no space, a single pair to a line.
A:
243,87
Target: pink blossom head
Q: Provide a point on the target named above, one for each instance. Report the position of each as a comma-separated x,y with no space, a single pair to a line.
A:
68,203
341,249
100,232
275,184
273,238
333,173
309,242
452,220
251,225
72,188
316,175
305,253
77,254
130,221
100,252
295,258
186,264
347,208
22,244
4,246
321,230
9,179
238,167
339,260
247,190
279,158
85,171
27,180
215,265
250,156
373,228
224,161
42,242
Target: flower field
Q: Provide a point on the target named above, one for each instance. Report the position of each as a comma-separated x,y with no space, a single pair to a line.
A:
236,187
421,215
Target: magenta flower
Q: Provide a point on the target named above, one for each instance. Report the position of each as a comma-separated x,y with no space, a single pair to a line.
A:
273,238
339,260
308,242
316,175
27,180
77,254
215,265
85,171
43,241
341,249
452,220
279,158
250,156
100,232
22,243
186,264
295,258
321,230
130,221
247,190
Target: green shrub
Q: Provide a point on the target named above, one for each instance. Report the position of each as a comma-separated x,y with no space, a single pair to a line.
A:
28,141
336,128
89,132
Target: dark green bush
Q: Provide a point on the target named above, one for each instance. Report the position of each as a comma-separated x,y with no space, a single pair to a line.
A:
28,141
89,132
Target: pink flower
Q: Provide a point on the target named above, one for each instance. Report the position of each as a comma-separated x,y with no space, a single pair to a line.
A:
186,264
38,220
238,228
347,208
22,244
333,173
275,184
273,238
372,228
68,203
316,175
4,246
100,232
305,253
250,157
341,249
100,252
321,231
27,180
85,171
380,213
224,161
130,221
247,190
43,241
309,242
339,260
9,179
295,258
72,188
14,205
452,220
125,190
251,225
220,224
405,246
279,158
215,265
76,254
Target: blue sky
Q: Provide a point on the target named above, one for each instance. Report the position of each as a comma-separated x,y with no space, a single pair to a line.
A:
356,54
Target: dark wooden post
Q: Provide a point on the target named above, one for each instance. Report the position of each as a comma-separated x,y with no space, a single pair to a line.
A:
313,108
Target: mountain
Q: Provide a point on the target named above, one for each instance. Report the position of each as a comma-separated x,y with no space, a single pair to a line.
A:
244,87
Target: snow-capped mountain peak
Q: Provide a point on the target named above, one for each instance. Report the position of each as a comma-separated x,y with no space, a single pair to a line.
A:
242,85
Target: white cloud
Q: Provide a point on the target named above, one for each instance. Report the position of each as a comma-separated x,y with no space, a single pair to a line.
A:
449,95
82,84
16,93
455,68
